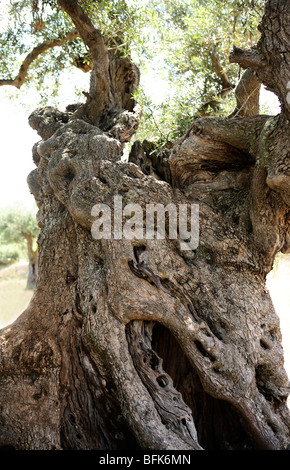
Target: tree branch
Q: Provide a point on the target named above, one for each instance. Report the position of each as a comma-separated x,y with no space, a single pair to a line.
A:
271,57
239,133
247,95
248,58
227,86
38,50
91,36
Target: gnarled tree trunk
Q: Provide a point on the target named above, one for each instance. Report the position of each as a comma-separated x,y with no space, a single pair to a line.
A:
136,343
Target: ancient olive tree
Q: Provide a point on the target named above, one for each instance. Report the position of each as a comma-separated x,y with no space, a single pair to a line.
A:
136,343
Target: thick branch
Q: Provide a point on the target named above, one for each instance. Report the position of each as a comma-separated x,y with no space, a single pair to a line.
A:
247,95
91,36
240,133
271,57
248,58
99,96
37,51
247,92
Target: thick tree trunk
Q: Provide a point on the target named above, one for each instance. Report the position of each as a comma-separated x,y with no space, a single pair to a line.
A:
136,343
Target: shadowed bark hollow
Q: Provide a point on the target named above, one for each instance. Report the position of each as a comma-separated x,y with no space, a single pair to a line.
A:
137,343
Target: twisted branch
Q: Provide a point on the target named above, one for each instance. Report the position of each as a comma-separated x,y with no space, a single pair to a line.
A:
32,56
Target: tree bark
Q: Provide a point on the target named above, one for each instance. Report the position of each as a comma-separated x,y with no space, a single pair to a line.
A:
136,343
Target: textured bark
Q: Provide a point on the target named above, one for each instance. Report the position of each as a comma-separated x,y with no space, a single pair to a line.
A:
212,106
137,344
113,79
